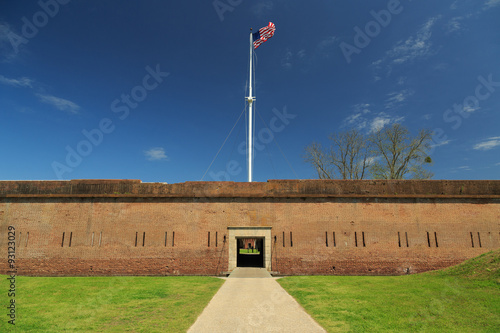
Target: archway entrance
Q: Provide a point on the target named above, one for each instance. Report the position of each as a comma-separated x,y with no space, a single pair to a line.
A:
250,252
245,238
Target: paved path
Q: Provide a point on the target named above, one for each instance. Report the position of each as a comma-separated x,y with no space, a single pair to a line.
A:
252,301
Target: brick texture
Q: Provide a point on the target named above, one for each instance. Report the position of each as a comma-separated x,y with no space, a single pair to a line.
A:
123,227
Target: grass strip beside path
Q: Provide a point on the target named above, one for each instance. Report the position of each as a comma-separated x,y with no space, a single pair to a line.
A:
464,298
117,304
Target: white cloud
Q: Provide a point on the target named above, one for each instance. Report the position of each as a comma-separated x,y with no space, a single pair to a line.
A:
492,3
352,119
21,82
461,168
488,143
402,80
156,154
427,116
326,47
454,24
415,46
286,61
59,103
357,118
327,43
382,120
289,58
470,108
442,143
379,122
372,159
362,117
397,97
361,107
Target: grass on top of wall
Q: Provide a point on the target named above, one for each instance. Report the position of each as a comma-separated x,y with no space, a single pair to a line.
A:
463,298
117,304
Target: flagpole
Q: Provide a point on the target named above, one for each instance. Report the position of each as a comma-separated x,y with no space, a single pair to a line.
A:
250,100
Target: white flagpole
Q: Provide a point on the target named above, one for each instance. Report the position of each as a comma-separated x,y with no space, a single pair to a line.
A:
250,100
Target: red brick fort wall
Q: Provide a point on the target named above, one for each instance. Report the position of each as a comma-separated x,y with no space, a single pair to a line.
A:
126,227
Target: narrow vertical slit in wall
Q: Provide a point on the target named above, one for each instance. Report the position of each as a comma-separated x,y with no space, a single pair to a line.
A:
62,243
406,235
70,238
19,240
472,239
479,240
436,239
100,239
209,239
428,240
363,235
216,235
291,241
399,240
326,238
143,238
173,238
136,239
92,241
334,242
27,236
283,239
356,238
165,239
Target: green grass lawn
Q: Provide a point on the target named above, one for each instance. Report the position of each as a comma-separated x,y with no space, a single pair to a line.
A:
249,251
116,304
464,298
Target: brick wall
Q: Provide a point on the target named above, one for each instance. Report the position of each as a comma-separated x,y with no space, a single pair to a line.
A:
120,227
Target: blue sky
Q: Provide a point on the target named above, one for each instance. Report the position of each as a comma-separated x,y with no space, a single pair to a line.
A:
150,89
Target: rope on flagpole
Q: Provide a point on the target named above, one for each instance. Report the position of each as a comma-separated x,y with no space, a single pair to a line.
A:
216,155
277,145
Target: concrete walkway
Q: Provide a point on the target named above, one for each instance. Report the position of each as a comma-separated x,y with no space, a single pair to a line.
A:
252,301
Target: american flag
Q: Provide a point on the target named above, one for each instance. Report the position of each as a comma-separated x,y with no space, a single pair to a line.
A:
263,35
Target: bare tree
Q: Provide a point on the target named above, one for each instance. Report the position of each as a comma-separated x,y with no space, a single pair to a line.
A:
349,154
314,155
346,158
399,155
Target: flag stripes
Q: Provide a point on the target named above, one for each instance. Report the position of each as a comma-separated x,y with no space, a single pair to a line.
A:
263,35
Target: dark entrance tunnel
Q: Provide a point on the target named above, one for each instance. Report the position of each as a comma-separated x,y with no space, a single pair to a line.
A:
250,252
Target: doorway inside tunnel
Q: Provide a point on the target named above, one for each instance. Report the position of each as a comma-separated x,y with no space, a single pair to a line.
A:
250,252
262,246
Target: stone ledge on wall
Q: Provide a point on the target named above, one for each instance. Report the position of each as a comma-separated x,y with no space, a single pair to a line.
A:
269,189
